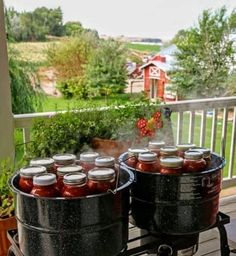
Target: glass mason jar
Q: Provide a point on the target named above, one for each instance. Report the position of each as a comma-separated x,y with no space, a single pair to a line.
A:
182,148
75,185
63,160
206,155
148,162
168,151
171,165
194,161
45,185
87,160
26,177
133,156
46,162
100,180
155,146
63,170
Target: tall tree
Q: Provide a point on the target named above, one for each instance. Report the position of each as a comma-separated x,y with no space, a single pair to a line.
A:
107,67
205,56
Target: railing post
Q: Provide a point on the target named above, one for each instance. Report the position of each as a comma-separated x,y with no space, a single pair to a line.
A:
6,117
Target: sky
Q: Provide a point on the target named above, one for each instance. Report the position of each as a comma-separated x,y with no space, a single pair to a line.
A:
140,18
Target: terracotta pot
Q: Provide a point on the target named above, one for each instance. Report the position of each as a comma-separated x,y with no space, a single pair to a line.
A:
6,224
110,147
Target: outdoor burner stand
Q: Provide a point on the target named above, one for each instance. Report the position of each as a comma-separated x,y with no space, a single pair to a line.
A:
222,219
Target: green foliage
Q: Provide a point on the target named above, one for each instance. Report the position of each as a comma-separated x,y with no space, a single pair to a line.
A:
72,131
35,25
72,28
106,69
6,197
25,99
204,57
70,56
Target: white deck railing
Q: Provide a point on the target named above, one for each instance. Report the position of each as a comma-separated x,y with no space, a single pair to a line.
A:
190,120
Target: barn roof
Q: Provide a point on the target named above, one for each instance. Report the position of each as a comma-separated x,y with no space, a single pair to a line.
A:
161,65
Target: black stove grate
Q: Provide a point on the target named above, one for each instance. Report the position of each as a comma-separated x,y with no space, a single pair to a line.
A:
132,248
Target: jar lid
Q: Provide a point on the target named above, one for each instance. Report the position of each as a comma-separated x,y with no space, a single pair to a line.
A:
31,171
168,150
185,146
61,171
156,144
105,161
101,174
171,161
206,151
136,151
147,156
75,178
64,158
89,156
47,162
193,154
45,179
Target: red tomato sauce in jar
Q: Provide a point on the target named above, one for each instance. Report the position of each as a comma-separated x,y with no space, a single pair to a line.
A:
182,148
133,156
87,160
168,151
75,185
194,161
171,165
45,185
155,146
26,177
63,170
148,162
100,180
46,162
63,160
206,155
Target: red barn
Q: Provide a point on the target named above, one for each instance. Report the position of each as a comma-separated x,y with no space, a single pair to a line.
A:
155,77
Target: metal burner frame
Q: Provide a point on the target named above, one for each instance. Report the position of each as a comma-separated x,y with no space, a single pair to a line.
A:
222,219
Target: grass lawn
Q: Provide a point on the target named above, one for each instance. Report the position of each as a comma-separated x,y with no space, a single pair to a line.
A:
144,47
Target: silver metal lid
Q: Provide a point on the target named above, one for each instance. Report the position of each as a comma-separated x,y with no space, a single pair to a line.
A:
47,162
69,169
100,174
147,156
88,156
156,144
171,161
206,151
168,150
44,179
185,146
75,178
193,154
31,171
136,151
105,161
64,158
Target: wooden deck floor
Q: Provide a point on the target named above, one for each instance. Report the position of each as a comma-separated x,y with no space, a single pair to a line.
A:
209,240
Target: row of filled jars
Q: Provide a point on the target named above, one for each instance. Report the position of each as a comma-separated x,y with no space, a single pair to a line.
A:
63,175
158,158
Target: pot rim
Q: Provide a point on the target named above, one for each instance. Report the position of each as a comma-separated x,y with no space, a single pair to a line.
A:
129,181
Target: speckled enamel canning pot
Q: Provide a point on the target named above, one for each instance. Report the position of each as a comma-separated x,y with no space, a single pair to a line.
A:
88,226
176,204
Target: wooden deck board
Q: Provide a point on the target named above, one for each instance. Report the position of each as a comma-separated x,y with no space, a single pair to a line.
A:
209,243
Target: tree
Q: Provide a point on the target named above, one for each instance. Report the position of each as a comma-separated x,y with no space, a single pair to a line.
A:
204,57
72,28
106,69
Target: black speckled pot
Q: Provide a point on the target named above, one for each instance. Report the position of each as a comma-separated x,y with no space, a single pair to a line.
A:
88,226
176,204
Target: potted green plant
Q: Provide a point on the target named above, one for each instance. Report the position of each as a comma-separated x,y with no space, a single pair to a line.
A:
7,217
